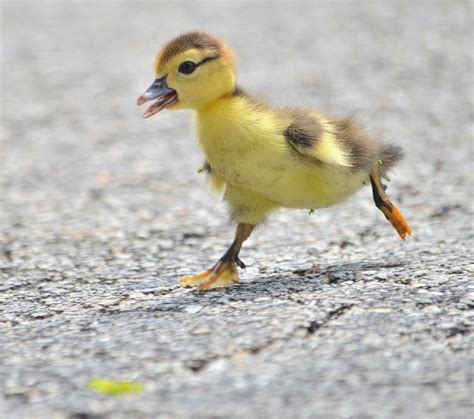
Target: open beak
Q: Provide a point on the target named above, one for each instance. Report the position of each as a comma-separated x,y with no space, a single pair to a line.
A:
164,95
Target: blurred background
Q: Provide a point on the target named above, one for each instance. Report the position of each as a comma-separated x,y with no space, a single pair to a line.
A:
101,211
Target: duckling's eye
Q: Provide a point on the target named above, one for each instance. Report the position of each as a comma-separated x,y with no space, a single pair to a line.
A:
187,67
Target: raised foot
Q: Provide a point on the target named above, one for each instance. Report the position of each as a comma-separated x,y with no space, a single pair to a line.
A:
396,219
222,274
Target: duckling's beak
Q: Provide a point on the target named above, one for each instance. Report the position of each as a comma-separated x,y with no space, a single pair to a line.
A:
164,95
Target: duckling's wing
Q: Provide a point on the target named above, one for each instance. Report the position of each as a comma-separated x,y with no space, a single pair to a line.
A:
338,142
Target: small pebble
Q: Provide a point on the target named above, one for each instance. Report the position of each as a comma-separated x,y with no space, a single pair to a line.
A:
193,308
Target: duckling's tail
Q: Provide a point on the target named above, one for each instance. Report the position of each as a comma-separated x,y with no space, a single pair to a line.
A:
389,155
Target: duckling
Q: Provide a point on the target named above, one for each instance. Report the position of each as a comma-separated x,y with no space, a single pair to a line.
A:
259,157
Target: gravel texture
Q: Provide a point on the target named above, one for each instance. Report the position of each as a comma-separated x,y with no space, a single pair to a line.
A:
102,211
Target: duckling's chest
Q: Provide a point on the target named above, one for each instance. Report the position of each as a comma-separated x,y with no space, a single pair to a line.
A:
240,150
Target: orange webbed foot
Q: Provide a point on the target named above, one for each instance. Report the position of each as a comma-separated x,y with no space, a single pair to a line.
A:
396,219
222,274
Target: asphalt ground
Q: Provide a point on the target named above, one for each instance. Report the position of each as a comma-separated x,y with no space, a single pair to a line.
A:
102,211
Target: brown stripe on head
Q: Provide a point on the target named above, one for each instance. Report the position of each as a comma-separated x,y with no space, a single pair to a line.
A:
193,40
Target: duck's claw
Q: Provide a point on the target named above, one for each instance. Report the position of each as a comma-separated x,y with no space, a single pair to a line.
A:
222,274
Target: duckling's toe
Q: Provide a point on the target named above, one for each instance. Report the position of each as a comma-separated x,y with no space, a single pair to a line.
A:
224,273
398,222
190,280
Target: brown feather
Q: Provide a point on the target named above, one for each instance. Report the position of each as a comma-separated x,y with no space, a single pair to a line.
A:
252,99
192,40
363,149
304,130
389,155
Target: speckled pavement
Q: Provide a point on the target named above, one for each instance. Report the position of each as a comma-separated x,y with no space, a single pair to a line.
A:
102,211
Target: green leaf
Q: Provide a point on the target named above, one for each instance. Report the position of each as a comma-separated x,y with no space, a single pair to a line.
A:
379,162
114,388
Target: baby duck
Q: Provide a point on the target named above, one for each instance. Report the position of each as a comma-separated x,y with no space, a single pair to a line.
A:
263,158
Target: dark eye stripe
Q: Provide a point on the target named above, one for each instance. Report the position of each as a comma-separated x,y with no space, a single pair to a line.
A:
210,58
187,67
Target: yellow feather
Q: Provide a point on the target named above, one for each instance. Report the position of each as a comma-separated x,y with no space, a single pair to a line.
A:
245,146
327,148
217,183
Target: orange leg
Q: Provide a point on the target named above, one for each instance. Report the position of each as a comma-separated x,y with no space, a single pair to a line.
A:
223,272
383,203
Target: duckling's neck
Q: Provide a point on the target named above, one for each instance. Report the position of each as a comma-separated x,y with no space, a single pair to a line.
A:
237,100
223,100
234,121
217,118
228,110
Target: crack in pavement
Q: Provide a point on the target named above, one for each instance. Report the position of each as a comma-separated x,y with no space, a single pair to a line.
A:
332,315
199,364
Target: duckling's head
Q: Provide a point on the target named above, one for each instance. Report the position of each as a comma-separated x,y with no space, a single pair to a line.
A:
192,71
